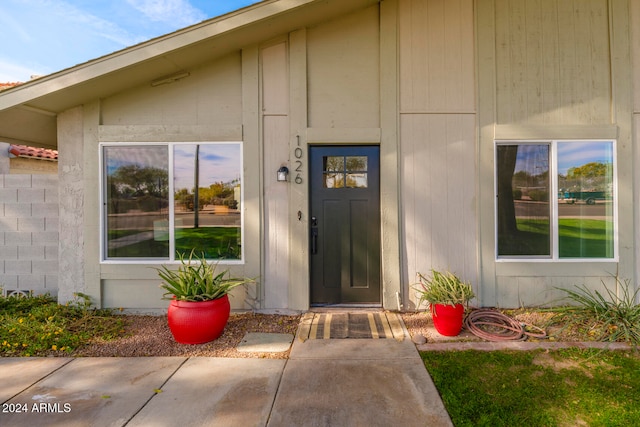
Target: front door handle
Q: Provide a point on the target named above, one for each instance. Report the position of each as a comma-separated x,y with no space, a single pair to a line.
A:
314,240
314,235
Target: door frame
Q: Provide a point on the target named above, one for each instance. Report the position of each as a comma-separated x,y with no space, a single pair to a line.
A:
371,301
393,287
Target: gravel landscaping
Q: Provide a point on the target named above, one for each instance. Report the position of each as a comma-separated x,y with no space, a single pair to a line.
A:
150,335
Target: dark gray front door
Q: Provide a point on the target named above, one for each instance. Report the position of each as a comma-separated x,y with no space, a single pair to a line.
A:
345,224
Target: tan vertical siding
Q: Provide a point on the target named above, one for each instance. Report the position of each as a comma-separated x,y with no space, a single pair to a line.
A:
275,129
552,62
560,70
343,72
210,95
436,56
275,81
635,81
438,191
437,143
298,193
635,54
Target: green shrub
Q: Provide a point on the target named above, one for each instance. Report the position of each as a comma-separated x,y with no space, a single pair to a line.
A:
539,195
39,326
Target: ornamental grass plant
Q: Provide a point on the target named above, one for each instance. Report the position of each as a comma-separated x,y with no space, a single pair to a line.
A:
443,288
612,317
196,279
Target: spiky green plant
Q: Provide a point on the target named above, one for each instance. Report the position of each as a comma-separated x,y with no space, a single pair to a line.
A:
197,280
608,318
443,288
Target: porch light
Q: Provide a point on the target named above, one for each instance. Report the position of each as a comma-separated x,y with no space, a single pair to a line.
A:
283,172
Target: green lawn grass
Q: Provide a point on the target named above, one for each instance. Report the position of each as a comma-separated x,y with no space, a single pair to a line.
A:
213,242
577,238
558,388
585,238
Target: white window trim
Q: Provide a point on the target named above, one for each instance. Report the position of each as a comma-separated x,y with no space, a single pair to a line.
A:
171,259
553,172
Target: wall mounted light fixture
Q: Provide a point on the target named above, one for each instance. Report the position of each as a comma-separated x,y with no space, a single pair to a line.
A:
283,172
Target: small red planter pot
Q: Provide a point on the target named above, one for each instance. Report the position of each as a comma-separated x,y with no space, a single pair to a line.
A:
198,322
447,319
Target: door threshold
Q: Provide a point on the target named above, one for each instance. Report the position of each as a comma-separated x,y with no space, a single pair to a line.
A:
343,306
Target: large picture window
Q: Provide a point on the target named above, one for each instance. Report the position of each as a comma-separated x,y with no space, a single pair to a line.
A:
164,200
555,199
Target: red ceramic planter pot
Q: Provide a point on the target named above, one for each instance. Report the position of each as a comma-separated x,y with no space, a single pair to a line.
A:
447,318
198,322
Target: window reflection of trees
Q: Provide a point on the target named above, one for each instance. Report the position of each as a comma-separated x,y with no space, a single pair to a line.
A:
523,199
345,171
136,187
593,176
137,200
218,193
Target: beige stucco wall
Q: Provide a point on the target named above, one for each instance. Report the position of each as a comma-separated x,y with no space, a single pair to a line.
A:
71,199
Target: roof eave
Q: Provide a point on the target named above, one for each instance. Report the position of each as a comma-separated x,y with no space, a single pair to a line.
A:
122,59
47,96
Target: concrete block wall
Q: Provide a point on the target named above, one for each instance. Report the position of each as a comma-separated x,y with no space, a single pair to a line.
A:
29,233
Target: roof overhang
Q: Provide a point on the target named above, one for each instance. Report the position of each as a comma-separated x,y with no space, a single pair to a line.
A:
28,112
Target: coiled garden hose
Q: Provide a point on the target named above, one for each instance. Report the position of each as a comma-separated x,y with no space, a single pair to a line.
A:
492,325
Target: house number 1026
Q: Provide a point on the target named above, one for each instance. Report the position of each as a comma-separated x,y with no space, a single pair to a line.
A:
298,154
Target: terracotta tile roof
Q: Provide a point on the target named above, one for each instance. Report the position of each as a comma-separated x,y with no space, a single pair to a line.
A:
8,85
33,152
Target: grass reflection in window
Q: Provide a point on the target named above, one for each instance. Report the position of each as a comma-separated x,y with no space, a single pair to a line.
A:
582,213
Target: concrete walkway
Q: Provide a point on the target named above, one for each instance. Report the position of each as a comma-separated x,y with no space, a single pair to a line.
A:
348,382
